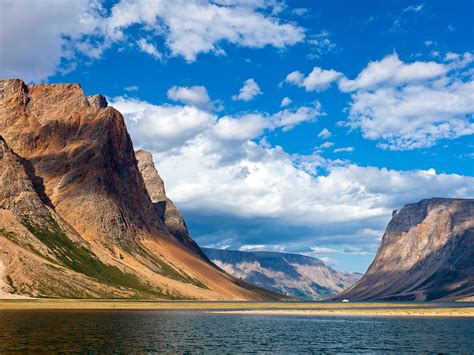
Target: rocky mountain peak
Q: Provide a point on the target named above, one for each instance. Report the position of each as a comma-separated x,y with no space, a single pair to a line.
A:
76,217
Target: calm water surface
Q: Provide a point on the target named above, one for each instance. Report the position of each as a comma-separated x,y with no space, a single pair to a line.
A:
191,332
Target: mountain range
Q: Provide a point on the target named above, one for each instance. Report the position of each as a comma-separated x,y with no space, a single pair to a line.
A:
295,275
83,215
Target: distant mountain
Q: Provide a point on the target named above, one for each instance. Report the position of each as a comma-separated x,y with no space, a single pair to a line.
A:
294,275
80,217
427,253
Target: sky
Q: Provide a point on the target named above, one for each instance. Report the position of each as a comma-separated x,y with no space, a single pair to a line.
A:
294,126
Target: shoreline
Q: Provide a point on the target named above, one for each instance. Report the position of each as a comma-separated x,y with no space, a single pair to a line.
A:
246,307
396,312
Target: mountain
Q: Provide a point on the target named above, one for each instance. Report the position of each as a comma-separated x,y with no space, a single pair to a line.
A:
78,218
294,275
427,253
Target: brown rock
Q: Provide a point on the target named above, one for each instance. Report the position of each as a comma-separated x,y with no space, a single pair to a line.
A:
81,206
164,207
426,253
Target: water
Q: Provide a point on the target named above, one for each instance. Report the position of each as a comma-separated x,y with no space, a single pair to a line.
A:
193,331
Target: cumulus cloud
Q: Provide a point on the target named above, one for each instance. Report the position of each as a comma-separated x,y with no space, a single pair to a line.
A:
318,80
53,32
170,126
241,128
391,70
162,127
204,158
193,27
409,106
193,95
404,105
248,91
289,118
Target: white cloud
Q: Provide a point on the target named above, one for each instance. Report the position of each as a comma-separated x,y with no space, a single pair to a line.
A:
285,102
414,116
412,105
241,128
35,36
131,88
318,80
391,70
320,44
162,127
149,48
265,180
323,250
53,32
325,145
202,158
414,8
343,150
193,95
193,27
289,118
451,56
325,133
248,91
169,126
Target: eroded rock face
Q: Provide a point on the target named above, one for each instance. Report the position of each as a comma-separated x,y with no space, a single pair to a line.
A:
76,219
426,253
164,207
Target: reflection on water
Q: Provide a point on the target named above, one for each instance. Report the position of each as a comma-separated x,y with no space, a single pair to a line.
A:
152,331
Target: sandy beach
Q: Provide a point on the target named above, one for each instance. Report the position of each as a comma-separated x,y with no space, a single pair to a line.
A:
250,308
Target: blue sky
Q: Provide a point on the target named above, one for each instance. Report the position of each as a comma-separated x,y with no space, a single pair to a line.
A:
378,111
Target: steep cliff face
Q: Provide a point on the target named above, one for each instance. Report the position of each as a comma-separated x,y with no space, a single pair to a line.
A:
426,253
294,275
164,207
72,189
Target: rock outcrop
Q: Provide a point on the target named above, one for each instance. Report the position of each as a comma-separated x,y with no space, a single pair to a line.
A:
77,219
427,253
164,207
294,275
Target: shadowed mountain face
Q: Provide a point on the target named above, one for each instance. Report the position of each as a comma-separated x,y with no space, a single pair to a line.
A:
427,253
294,275
164,207
76,216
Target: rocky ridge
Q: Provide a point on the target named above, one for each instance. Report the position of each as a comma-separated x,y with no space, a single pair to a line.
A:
77,219
426,254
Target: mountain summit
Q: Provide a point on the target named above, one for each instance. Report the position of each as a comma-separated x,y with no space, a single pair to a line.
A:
80,217
427,253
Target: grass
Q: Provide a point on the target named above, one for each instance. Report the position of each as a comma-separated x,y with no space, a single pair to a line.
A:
169,271
81,260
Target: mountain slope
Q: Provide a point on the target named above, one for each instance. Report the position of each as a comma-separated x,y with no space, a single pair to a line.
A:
426,253
295,275
75,205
